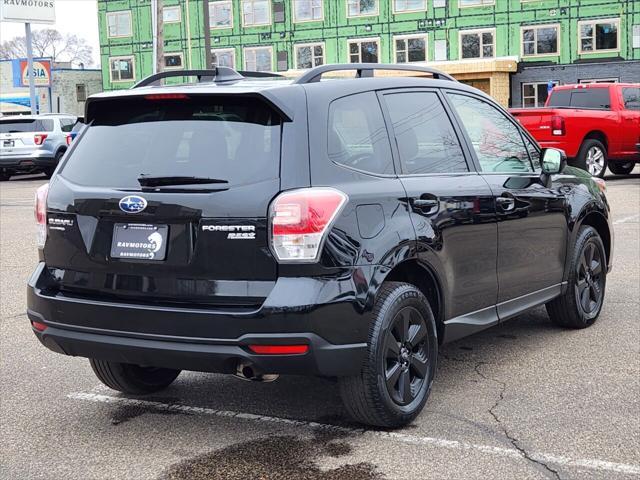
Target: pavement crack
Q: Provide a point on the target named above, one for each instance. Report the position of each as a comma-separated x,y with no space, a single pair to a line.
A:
513,440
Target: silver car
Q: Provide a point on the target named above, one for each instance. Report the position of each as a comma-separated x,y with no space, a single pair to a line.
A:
32,144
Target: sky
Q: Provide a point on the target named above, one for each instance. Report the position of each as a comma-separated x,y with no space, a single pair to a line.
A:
79,17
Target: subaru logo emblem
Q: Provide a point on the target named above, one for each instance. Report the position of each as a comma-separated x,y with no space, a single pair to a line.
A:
133,204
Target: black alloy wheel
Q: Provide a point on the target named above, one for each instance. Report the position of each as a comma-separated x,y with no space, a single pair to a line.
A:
589,280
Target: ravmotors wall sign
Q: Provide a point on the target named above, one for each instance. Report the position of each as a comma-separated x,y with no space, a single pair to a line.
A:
28,11
41,73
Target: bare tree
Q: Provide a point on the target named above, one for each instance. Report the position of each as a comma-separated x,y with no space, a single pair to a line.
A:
50,43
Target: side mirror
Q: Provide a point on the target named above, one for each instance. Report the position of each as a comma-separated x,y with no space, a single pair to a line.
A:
553,161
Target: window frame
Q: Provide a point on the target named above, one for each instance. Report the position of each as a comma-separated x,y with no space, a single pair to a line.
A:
479,32
172,7
173,54
362,15
423,36
232,50
115,14
537,84
310,44
593,23
360,41
481,4
257,47
231,18
587,81
401,12
295,19
250,25
133,68
535,29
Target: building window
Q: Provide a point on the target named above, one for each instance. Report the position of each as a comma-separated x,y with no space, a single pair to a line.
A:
362,8
310,55
364,50
475,3
223,57
599,35
636,36
258,59
171,14
119,24
256,12
173,61
307,10
121,69
599,80
411,48
403,6
535,94
477,44
439,3
81,92
540,40
440,50
221,14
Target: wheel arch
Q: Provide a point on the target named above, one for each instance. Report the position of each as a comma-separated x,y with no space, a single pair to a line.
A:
598,221
597,135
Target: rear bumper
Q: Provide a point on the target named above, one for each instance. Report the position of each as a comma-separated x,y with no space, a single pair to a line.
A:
330,322
25,163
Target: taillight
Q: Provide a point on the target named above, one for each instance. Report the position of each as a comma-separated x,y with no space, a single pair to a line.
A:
41,214
300,220
69,139
39,138
557,125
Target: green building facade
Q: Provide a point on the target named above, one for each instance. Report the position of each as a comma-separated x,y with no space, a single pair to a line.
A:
509,48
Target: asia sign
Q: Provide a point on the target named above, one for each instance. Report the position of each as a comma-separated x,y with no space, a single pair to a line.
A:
41,73
28,11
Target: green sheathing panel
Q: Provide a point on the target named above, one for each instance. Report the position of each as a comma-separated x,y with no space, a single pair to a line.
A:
506,16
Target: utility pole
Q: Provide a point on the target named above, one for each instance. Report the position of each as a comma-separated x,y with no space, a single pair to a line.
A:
207,35
32,87
159,37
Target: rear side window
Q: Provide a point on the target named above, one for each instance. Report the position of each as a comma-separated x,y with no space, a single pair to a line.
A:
427,142
236,140
631,97
596,98
357,134
25,126
66,124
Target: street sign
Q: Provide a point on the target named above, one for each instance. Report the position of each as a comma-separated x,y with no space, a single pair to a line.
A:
28,11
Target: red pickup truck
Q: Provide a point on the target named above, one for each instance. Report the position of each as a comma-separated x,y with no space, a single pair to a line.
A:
596,124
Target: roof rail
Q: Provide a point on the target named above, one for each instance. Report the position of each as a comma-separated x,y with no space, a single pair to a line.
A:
217,75
366,70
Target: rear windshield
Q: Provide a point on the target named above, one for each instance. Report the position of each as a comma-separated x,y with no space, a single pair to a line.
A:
236,140
597,98
26,125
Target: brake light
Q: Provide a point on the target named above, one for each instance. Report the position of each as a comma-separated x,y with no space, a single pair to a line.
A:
557,125
279,349
300,220
41,214
39,138
69,139
166,96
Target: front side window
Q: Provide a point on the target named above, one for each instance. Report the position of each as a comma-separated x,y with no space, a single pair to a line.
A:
598,35
221,14
364,51
121,69
119,24
171,14
357,136
307,10
535,94
309,56
427,142
477,44
540,40
361,8
173,61
411,49
223,57
402,6
496,140
258,59
631,98
256,12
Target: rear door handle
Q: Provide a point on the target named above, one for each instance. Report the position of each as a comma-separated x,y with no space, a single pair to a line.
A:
506,203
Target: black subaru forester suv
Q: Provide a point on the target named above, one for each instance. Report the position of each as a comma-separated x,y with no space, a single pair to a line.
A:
319,226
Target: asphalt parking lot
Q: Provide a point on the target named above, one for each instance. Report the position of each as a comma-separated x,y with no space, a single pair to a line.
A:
521,400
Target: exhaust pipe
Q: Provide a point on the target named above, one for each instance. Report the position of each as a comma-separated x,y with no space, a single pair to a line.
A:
248,371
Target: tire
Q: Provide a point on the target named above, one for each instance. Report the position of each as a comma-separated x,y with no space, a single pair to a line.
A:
401,313
592,157
48,171
621,168
4,176
133,379
580,305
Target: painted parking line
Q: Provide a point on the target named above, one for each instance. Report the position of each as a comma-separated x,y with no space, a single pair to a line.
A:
580,463
628,219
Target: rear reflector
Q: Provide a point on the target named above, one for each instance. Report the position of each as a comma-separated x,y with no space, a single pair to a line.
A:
41,327
279,349
166,96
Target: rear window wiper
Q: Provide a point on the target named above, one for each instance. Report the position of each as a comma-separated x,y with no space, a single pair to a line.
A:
150,181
